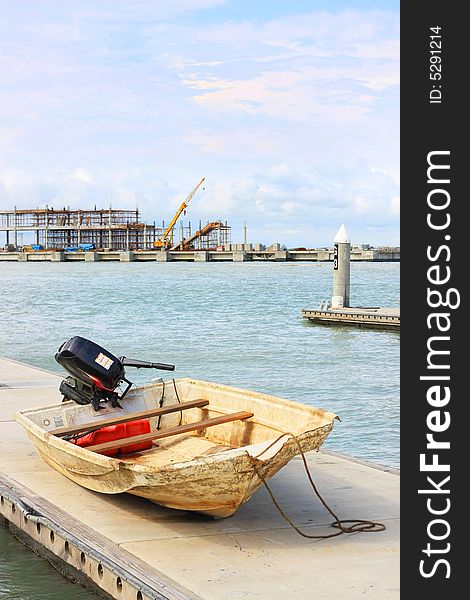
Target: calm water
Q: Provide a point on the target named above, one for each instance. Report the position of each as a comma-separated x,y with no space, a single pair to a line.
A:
25,576
234,323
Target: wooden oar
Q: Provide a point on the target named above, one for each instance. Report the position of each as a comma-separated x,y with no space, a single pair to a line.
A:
157,435
124,418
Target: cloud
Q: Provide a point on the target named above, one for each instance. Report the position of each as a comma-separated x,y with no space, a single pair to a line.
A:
343,75
279,194
82,174
292,118
297,96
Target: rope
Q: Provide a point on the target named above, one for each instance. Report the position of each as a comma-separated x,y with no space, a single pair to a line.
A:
161,404
358,525
73,438
179,401
76,436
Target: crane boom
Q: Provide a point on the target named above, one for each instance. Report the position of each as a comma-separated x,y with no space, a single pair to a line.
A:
184,204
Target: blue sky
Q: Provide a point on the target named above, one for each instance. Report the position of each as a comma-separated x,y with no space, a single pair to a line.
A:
290,110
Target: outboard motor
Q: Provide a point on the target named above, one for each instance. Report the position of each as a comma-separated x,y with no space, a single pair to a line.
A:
96,373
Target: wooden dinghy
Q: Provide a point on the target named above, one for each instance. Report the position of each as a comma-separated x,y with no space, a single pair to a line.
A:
209,445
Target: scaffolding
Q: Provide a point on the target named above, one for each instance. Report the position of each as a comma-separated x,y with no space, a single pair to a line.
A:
214,235
106,229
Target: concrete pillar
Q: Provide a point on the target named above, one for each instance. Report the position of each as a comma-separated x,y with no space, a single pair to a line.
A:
281,255
79,231
201,256
110,231
341,269
91,256
126,257
15,229
46,241
162,256
239,256
57,257
22,256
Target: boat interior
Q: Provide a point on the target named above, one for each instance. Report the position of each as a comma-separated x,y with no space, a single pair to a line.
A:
188,419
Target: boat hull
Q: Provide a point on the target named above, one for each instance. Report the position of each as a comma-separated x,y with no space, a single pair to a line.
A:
220,469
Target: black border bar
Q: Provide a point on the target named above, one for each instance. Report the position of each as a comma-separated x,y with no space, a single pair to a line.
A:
434,338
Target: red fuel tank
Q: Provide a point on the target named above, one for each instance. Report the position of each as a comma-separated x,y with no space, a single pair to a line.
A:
117,432
105,434
136,428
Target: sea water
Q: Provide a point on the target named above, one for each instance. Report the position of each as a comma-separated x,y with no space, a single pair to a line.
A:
234,323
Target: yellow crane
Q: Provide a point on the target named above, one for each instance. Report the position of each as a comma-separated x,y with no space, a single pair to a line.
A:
167,238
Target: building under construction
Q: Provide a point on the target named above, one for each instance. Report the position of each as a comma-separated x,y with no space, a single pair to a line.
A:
113,229
65,228
212,236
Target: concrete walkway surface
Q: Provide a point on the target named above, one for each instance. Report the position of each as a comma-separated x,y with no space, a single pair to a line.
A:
253,554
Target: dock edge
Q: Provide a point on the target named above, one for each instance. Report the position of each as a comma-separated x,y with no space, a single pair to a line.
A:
78,552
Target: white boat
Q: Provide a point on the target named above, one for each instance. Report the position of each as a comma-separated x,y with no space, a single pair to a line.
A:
208,456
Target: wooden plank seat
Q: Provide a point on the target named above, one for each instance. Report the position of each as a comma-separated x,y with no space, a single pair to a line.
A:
126,417
156,435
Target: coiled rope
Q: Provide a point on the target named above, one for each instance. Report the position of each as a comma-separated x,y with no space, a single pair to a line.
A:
358,525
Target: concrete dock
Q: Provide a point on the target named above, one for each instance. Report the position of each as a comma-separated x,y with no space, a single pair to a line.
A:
128,548
375,318
321,255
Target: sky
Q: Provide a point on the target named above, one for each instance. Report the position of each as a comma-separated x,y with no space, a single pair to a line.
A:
289,109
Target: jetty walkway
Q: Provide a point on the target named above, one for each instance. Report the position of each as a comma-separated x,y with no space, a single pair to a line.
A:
128,548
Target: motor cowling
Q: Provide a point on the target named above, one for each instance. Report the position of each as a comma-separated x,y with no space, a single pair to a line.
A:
95,373
90,363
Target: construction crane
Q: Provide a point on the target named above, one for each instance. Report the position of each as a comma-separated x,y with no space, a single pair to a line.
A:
167,238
